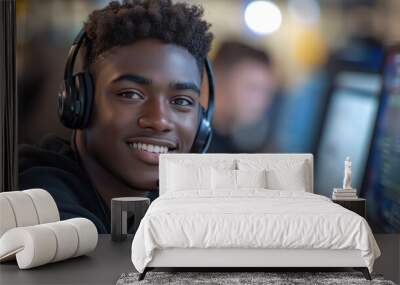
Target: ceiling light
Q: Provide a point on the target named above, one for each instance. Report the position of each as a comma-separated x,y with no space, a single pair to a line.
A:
263,17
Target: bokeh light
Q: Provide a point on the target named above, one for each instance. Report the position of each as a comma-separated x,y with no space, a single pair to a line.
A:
262,17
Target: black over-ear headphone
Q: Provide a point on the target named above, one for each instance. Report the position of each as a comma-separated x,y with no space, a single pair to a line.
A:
75,99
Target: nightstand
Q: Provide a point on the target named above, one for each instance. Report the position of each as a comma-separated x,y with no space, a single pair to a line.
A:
124,208
358,205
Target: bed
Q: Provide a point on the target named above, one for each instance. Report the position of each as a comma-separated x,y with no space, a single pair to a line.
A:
247,211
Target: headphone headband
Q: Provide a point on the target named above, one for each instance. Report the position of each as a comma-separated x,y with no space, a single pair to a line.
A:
210,78
72,54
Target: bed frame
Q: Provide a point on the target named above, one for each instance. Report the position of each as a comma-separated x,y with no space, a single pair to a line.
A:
245,259
250,258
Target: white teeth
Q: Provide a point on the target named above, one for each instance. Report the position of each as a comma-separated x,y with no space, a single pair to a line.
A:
149,147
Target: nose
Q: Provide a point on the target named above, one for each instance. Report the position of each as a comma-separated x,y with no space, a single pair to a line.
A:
155,116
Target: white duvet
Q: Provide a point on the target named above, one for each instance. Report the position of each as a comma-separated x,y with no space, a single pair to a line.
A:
250,218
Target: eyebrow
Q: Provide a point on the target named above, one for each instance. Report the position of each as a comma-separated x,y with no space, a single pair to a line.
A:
146,81
134,78
185,86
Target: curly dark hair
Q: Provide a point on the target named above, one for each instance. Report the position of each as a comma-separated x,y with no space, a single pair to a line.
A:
124,23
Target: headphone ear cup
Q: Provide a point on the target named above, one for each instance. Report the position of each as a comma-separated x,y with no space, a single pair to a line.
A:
80,100
203,135
61,104
67,105
75,101
87,95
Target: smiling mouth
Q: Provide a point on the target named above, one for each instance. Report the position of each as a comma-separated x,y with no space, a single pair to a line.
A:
148,150
153,148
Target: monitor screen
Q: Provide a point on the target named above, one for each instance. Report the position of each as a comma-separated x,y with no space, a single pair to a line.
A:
347,130
298,115
382,180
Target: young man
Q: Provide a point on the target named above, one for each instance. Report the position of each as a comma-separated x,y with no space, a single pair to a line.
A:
146,60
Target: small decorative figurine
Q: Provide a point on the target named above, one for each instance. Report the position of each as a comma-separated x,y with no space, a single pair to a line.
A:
347,174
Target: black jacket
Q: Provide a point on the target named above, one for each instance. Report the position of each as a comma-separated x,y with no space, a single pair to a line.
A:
54,166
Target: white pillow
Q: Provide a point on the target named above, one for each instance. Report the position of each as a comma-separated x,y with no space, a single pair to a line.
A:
289,179
183,177
281,174
251,178
223,179
204,162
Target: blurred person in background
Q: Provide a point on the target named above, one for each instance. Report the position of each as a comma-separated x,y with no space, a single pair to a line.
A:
245,86
145,60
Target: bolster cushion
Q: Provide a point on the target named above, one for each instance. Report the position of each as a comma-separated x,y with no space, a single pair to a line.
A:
40,244
26,208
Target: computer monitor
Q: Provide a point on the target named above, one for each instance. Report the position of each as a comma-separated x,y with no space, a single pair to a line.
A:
298,113
347,129
382,180
301,112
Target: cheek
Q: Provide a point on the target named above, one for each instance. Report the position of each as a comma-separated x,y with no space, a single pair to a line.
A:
110,126
186,130
109,117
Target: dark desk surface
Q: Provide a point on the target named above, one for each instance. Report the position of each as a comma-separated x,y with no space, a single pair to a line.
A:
110,259
102,266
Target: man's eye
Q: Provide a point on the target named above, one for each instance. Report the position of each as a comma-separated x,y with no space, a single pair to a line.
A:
182,102
131,95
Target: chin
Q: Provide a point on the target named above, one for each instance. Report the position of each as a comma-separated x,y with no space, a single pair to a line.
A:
145,182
